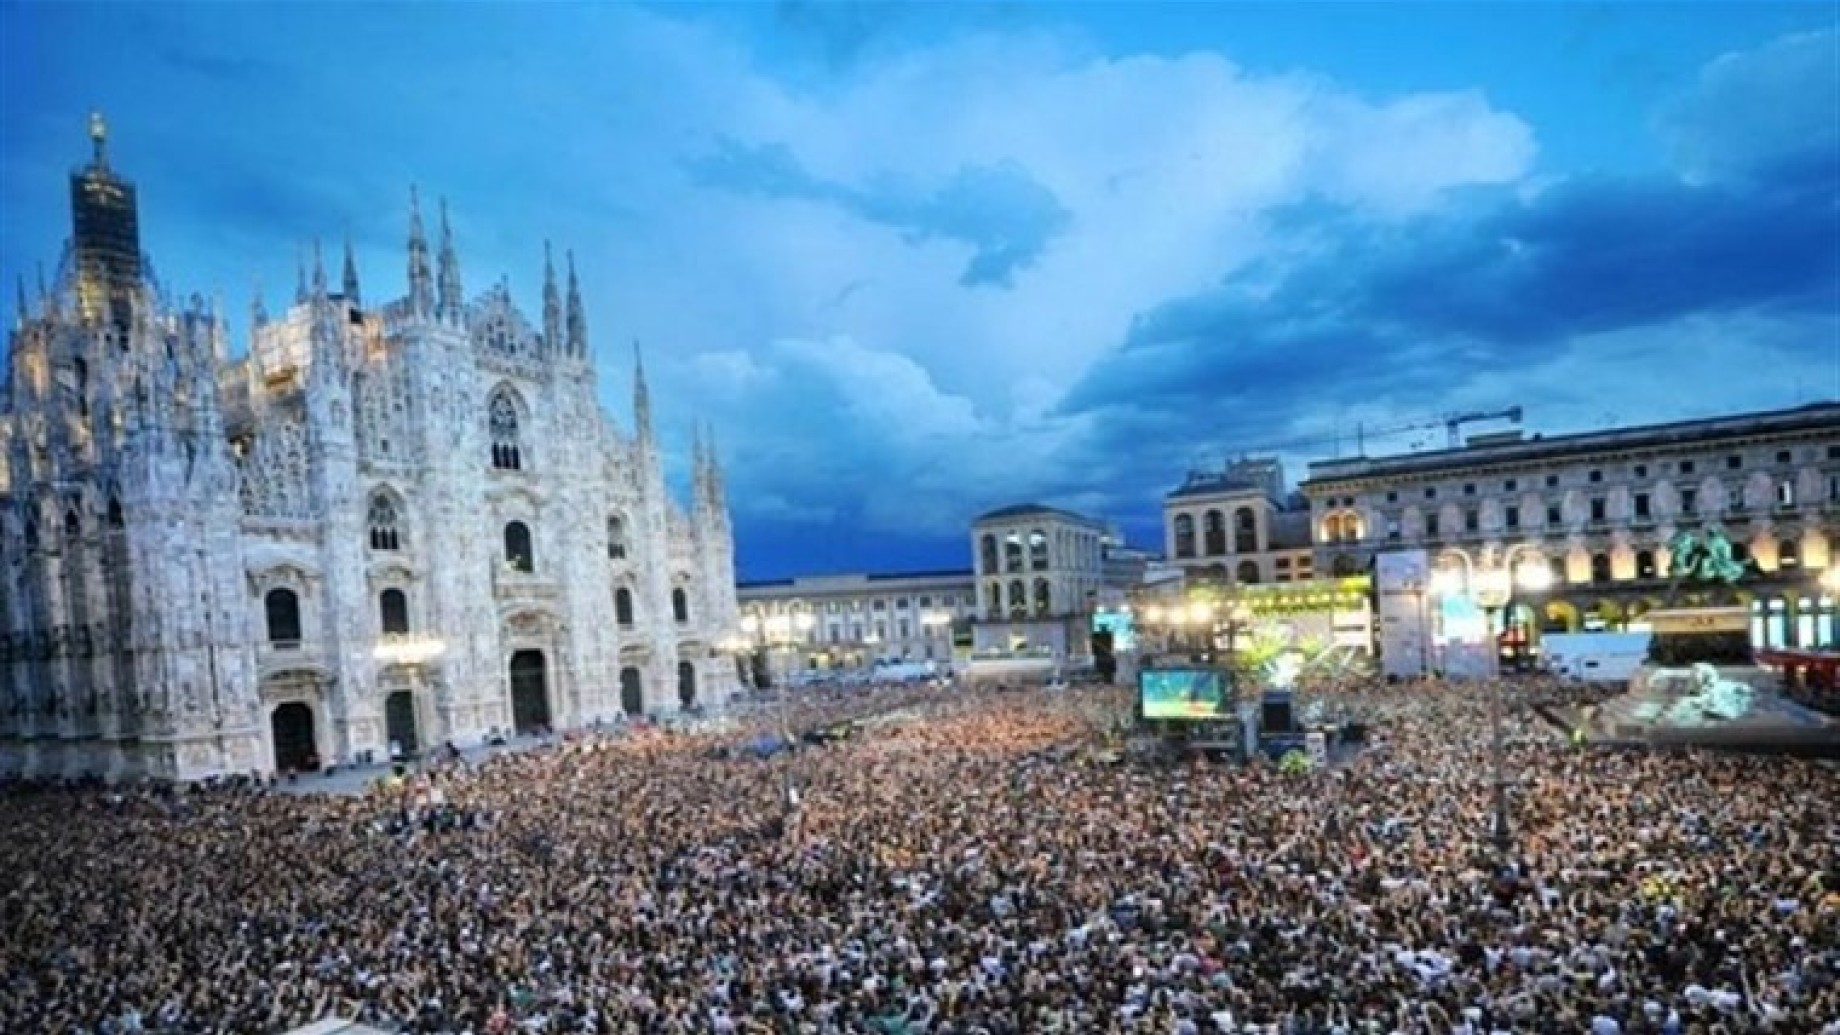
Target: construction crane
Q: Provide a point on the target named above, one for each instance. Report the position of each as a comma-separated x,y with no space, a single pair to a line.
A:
1453,424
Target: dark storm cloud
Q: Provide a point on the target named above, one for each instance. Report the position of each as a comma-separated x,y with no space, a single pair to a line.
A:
1005,215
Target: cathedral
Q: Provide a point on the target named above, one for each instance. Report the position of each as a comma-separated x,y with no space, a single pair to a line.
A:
387,526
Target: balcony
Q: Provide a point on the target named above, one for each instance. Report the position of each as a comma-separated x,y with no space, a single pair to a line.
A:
525,585
275,656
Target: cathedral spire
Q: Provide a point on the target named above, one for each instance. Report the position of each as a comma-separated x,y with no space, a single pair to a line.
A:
421,284
319,273
99,139
258,313
450,270
713,456
350,284
578,321
300,276
552,306
23,311
642,397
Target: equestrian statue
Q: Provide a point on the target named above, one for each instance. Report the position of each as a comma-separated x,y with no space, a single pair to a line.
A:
1707,556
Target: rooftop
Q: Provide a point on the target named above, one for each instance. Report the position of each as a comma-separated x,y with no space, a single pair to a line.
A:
1023,510
1212,483
1823,416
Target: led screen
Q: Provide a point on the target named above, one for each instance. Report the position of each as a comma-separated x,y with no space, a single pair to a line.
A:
1183,693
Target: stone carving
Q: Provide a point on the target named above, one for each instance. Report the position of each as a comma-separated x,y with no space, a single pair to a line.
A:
274,474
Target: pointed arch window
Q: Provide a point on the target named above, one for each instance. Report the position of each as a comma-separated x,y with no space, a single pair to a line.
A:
518,553
31,535
115,516
623,607
502,424
680,605
73,525
616,537
393,612
385,524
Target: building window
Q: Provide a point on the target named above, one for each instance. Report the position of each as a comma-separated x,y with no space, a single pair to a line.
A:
1785,494
1689,501
1788,555
1600,567
502,423
1185,535
1245,531
623,607
1012,552
518,554
878,605
993,605
1431,492
1472,521
282,610
1645,564
1392,527
1392,497
1555,515
384,522
1510,485
1734,462
1431,526
1469,488
1248,573
1596,476
393,612
616,537
1641,505
1214,533
1686,467
1559,572
1044,599
1782,456
1600,508
73,526
1511,516
115,517
904,628
987,554
1018,599
1641,470
1552,481
1038,550
680,605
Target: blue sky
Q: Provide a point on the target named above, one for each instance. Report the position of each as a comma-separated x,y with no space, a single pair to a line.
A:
920,261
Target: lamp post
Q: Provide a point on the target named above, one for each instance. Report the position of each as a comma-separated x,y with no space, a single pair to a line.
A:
1490,585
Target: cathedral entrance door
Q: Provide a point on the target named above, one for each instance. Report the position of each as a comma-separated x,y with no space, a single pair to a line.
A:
686,684
632,691
399,721
529,692
292,728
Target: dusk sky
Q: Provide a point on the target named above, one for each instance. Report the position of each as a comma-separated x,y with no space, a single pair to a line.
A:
918,262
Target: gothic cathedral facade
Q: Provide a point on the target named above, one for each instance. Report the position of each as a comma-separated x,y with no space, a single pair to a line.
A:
386,525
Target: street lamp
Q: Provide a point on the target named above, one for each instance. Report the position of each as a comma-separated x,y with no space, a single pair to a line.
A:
1490,585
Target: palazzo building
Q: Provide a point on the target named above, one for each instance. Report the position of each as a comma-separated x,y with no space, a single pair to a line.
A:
1600,509
1237,527
397,521
1039,573
817,623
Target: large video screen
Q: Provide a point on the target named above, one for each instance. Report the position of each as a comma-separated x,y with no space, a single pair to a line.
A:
1183,693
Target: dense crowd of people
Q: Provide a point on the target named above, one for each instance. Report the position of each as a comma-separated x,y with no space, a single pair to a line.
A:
971,865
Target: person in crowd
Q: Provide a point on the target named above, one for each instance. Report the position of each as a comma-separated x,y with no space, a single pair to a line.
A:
964,863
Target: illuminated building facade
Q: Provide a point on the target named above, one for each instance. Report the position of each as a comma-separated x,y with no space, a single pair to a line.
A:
1039,573
817,623
1600,509
387,524
1234,527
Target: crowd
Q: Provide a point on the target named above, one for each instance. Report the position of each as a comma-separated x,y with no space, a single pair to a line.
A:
975,867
